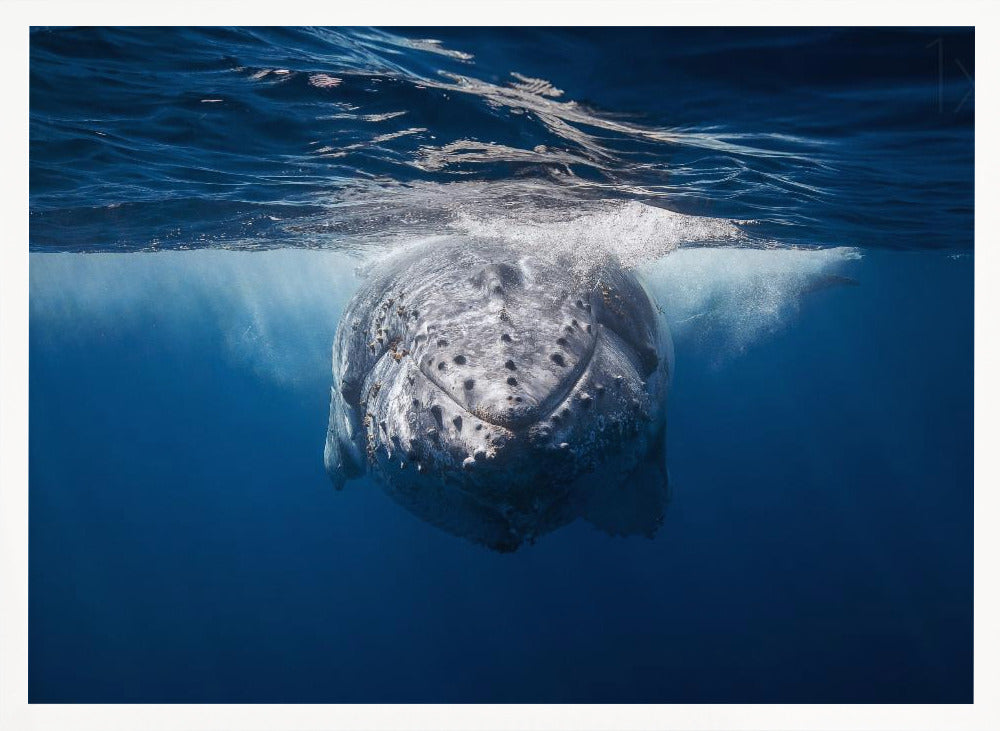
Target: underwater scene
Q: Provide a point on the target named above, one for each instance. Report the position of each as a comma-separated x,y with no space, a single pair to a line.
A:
501,365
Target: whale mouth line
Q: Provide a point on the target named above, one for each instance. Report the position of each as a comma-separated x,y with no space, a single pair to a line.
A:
545,408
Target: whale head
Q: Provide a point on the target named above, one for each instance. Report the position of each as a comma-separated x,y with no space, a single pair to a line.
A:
495,394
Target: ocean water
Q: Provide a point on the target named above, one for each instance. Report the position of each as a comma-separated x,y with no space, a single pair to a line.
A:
203,204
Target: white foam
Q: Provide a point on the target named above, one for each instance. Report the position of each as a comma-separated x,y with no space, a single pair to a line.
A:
535,216
631,232
736,297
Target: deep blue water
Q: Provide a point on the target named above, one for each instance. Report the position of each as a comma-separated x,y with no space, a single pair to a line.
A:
185,544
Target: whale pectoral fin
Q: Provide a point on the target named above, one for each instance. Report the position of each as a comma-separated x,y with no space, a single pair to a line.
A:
636,504
341,456
339,464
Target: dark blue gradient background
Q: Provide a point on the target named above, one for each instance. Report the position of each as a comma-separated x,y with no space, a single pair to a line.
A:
185,545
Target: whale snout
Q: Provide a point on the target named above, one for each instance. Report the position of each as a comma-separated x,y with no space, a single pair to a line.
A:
504,349
509,381
511,429
495,396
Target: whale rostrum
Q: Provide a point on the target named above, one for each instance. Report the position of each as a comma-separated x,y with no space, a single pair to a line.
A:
499,397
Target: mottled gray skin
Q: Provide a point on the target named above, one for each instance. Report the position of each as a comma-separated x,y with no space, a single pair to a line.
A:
495,396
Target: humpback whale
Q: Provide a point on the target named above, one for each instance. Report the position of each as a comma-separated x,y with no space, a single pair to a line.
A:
499,396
